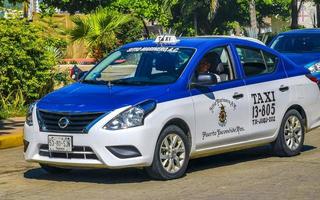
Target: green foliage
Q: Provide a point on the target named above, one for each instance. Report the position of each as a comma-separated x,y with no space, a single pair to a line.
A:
2,2
46,10
151,10
26,60
12,105
99,29
130,32
218,17
264,8
72,6
204,16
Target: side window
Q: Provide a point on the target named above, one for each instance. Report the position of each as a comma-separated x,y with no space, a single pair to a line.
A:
217,61
271,61
256,62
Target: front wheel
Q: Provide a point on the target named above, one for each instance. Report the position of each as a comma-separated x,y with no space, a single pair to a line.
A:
171,155
291,135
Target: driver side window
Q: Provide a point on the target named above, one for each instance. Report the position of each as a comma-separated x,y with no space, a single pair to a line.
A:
217,62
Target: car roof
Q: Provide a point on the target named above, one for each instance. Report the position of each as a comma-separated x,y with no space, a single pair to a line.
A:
233,37
302,31
194,42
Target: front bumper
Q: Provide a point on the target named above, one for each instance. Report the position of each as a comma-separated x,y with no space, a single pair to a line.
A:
142,138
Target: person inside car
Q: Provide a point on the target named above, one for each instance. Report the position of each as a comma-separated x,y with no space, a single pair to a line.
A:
206,66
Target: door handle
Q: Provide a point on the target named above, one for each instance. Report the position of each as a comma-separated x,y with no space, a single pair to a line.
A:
284,88
237,96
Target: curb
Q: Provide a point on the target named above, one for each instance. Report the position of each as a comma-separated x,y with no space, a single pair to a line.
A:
14,139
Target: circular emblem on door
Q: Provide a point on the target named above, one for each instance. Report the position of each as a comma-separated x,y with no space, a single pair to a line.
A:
63,122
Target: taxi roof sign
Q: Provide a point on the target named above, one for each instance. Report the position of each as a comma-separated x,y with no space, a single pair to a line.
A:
166,39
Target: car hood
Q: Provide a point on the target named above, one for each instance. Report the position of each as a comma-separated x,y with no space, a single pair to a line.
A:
80,97
303,59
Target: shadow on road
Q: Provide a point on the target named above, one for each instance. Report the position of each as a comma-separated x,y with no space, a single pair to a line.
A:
232,158
134,175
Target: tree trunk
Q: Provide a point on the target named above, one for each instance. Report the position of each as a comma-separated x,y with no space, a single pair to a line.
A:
195,23
26,8
295,9
253,17
318,15
146,30
294,14
253,14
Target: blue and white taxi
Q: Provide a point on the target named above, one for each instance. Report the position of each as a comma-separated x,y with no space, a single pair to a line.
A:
158,103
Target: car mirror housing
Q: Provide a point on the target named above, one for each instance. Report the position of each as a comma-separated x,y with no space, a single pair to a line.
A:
204,79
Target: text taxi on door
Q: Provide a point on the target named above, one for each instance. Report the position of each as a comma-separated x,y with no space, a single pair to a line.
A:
158,103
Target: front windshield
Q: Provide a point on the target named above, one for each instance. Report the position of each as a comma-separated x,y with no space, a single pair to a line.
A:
306,43
141,66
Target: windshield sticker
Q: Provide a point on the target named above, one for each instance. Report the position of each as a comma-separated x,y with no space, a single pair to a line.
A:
154,49
222,108
264,108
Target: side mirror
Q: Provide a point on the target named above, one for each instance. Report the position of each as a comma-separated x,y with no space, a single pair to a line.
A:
81,75
204,80
76,73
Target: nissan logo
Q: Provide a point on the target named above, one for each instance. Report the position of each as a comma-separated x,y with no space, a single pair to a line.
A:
63,122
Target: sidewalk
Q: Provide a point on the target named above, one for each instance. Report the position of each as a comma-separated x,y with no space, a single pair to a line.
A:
11,132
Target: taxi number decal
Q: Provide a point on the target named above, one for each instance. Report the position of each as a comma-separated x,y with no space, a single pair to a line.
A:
264,108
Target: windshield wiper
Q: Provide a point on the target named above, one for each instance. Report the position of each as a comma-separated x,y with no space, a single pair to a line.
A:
126,82
96,82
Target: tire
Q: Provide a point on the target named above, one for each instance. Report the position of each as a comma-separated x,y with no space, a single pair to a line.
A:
290,137
176,157
54,170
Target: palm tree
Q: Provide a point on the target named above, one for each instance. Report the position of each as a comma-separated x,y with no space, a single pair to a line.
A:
98,30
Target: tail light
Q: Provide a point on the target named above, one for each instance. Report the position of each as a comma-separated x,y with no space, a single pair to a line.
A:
313,79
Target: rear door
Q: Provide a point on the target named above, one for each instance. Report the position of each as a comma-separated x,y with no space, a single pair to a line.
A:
268,90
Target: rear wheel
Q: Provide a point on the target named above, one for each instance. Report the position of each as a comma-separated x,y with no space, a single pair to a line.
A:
171,155
291,135
54,170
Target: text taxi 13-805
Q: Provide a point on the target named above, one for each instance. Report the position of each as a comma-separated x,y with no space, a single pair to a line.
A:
158,103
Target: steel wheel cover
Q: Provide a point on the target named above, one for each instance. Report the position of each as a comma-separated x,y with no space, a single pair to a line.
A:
172,153
293,133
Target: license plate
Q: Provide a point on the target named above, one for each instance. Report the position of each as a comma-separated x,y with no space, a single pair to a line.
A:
60,143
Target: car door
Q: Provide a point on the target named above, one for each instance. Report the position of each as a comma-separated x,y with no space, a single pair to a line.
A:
268,90
220,108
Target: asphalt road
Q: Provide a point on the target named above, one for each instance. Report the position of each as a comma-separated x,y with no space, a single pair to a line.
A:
249,174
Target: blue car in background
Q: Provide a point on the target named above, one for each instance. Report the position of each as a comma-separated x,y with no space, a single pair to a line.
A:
302,47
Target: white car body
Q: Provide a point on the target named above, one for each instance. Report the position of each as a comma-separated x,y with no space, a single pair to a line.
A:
199,115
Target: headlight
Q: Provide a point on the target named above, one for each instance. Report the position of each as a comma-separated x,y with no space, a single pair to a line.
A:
314,68
132,117
29,120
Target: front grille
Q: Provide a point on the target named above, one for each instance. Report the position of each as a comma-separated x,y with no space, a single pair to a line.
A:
48,121
78,152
